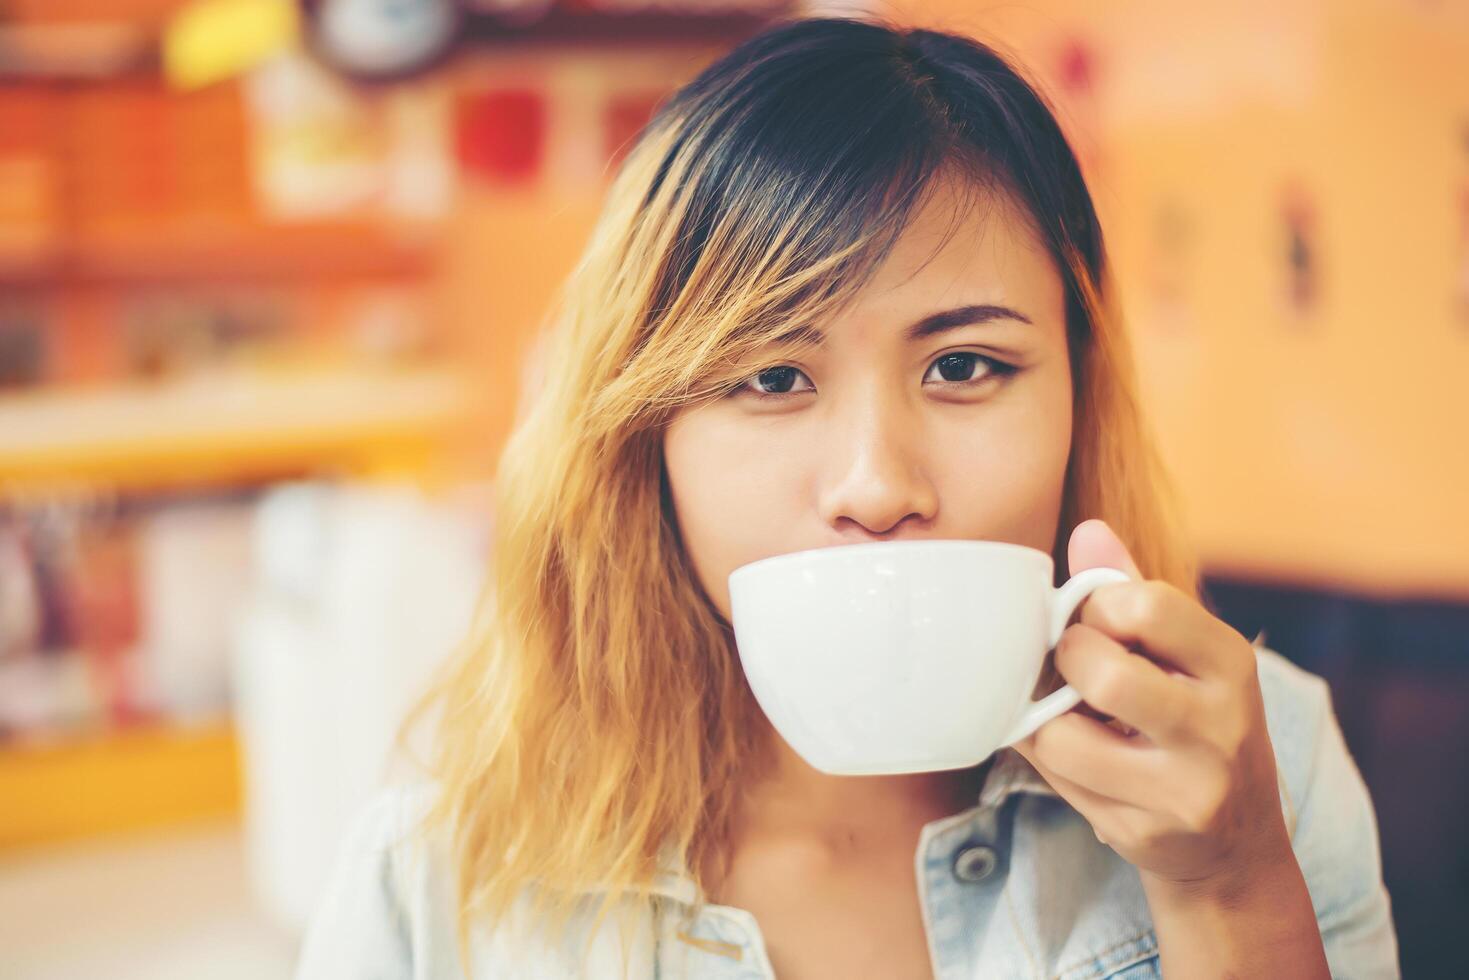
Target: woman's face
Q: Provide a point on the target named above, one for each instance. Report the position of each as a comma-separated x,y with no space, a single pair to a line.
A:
876,436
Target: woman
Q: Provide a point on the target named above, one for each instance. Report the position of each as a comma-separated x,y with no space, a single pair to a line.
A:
848,286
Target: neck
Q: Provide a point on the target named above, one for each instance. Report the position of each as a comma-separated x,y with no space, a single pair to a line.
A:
795,798
798,817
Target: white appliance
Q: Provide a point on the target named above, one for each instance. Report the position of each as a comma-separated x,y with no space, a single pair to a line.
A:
358,593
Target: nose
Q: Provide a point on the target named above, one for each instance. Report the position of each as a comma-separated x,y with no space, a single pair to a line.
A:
876,484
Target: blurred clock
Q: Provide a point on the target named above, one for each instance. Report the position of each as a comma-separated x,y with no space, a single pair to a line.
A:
382,39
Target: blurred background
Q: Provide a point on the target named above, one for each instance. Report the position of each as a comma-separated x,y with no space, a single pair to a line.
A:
269,272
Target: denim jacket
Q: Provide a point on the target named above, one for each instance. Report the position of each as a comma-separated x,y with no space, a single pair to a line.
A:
1017,885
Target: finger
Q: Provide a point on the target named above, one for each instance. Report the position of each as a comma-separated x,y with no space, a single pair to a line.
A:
1093,543
1125,685
1168,626
1109,818
1089,753
1082,708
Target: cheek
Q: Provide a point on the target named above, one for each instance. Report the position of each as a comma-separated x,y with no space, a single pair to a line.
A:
732,495
1002,474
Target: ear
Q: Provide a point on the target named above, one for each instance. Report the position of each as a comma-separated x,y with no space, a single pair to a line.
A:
1093,543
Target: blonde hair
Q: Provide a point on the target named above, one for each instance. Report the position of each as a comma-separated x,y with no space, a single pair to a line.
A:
598,713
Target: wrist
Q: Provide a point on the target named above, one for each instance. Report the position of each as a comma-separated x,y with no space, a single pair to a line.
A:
1246,876
1258,913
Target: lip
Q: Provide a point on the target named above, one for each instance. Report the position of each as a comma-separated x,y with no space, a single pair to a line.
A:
816,554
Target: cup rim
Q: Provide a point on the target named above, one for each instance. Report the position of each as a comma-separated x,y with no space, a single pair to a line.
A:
816,554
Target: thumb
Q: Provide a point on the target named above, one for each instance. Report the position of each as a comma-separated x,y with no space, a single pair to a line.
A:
1093,543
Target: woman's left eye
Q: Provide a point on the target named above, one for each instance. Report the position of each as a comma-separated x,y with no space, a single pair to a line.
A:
958,368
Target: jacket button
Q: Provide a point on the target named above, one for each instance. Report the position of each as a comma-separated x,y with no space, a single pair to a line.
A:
975,863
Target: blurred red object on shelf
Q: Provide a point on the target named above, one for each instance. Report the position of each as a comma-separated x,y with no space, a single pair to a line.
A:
500,134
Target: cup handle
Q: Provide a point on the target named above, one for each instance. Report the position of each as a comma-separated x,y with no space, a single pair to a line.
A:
1067,598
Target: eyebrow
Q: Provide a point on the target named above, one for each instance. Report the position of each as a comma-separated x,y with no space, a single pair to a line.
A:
934,323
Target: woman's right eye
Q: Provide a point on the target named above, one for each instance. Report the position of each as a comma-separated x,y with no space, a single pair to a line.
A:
773,382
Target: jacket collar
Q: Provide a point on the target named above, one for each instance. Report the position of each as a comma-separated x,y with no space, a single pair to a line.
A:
1010,775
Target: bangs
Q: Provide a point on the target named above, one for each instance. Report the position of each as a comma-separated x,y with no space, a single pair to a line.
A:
777,202
765,193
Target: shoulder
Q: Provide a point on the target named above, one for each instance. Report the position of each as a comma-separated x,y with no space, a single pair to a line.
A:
390,819
1331,819
1297,709
387,846
390,908
386,904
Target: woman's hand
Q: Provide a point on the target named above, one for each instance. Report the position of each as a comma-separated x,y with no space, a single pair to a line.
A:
1190,797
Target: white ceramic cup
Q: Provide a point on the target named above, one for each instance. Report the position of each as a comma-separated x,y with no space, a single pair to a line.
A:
904,656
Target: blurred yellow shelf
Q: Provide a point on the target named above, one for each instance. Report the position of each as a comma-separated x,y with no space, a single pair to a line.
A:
228,428
114,782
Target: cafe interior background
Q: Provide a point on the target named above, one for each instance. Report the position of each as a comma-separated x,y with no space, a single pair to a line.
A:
270,275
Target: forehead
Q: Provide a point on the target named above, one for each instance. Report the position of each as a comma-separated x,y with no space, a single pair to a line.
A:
965,244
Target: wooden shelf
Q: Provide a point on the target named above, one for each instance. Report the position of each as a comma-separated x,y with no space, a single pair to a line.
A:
227,253
561,25
228,428
118,781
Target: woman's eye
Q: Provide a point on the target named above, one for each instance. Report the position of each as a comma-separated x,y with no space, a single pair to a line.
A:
958,368
774,381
